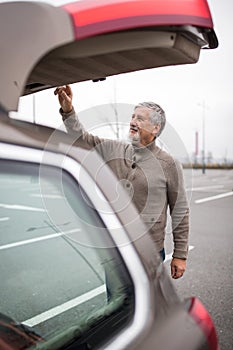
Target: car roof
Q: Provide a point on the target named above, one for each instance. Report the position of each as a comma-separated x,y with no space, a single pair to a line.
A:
48,46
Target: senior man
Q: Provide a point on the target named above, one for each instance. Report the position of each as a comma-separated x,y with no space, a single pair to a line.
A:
152,177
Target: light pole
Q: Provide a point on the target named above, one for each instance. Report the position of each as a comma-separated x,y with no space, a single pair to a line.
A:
203,105
196,147
34,108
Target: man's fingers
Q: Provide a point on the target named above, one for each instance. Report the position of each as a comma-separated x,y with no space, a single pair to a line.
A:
58,90
173,271
63,89
178,273
178,267
68,90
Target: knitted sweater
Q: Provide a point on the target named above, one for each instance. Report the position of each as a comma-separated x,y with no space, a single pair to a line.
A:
152,178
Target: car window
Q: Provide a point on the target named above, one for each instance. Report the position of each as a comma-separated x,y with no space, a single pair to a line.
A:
61,276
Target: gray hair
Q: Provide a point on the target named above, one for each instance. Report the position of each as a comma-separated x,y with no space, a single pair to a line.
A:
157,114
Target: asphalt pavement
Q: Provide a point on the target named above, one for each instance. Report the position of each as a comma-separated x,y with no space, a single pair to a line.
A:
36,255
209,274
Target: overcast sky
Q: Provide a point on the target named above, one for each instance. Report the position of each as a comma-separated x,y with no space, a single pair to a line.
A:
179,90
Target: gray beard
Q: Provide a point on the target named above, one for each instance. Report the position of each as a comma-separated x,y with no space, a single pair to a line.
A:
135,139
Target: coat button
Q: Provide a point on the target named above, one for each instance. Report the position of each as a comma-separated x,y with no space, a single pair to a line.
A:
133,165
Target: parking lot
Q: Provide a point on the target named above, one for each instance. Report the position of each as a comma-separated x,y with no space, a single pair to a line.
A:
209,274
36,256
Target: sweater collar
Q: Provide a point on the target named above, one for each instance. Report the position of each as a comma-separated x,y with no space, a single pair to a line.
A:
144,149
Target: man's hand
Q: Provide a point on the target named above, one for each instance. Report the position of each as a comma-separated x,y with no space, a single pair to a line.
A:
178,267
65,97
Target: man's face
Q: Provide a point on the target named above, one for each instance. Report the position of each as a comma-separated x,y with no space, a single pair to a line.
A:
142,132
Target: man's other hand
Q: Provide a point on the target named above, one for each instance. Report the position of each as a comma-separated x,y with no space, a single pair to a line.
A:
178,267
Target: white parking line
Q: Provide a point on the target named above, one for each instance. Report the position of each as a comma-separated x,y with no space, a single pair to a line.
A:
44,316
218,196
37,239
50,196
19,207
204,188
4,219
169,256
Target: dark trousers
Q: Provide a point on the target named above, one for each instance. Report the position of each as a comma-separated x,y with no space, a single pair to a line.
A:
162,254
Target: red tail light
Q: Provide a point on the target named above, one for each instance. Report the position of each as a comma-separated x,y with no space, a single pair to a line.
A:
199,313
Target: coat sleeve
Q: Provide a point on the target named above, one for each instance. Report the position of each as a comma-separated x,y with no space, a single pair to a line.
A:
81,138
76,130
179,209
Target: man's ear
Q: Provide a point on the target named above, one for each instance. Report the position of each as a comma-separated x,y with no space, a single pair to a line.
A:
156,130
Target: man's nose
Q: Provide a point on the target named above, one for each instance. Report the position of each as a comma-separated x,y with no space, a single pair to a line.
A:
134,120
133,123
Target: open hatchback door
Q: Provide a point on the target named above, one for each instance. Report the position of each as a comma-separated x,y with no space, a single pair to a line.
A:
49,46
